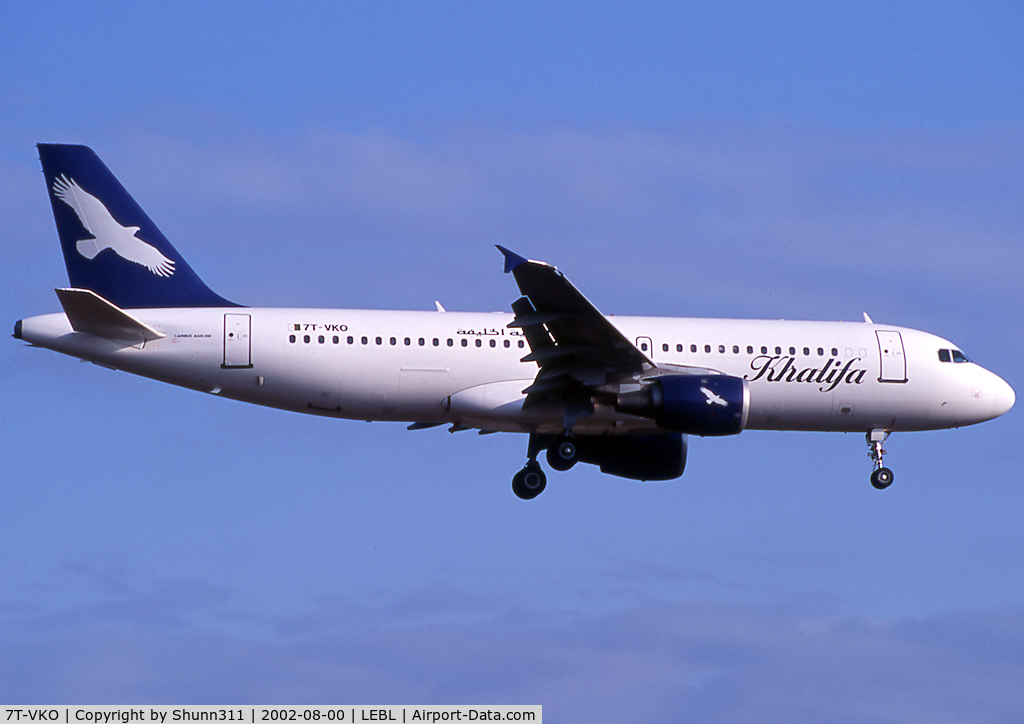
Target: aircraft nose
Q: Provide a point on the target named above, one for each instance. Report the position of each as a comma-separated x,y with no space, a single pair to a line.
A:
1003,396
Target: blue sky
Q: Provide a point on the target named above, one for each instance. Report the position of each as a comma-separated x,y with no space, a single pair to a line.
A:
158,545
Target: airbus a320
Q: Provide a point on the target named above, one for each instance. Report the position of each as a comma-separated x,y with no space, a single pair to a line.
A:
621,393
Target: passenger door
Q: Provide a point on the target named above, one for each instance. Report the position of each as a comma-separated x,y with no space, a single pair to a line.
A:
893,361
237,343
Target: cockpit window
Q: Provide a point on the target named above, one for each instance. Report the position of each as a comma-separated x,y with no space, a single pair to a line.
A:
952,355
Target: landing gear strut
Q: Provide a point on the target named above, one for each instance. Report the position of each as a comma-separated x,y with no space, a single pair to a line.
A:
882,476
530,482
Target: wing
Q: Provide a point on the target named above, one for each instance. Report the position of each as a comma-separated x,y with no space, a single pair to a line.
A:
89,209
576,347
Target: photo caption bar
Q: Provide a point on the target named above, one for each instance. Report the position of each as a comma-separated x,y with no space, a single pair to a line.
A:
268,714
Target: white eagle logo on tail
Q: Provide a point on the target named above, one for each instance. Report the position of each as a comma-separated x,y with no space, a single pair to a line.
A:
107,232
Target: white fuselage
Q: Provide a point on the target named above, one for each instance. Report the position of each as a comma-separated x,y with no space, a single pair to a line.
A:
466,368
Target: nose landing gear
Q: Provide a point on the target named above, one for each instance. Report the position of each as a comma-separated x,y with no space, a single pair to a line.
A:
882,476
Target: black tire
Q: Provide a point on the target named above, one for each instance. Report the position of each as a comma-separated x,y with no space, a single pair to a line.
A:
529,482
881,478
562,455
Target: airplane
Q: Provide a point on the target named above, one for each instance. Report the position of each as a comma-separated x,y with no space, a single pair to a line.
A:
618,392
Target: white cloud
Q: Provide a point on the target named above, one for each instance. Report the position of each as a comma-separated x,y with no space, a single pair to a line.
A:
682,660
785,211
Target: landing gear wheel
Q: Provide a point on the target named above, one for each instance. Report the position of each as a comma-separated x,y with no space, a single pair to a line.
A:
881,478
562,455
529,482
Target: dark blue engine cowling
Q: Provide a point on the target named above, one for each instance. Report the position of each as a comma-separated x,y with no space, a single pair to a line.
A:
638,457
694,404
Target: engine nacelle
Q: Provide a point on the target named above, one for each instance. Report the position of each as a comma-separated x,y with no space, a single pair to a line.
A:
638,457
708,405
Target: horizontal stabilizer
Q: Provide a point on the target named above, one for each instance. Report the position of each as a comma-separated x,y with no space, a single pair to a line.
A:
90,313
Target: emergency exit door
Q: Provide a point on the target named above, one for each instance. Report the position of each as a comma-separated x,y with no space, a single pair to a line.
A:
237,342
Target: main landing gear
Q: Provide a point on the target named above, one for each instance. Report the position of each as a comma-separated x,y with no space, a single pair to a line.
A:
529,482
562,454
882,476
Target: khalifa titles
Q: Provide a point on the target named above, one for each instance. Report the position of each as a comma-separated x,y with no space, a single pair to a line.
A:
782,368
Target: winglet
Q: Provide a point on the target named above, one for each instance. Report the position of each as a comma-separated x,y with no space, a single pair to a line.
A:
512,260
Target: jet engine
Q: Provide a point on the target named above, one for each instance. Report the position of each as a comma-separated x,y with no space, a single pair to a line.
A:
638,457
708,405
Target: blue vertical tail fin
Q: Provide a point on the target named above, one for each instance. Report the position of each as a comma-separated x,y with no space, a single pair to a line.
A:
110,246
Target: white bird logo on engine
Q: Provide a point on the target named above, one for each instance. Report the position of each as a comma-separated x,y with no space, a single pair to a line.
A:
713,399
107,232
